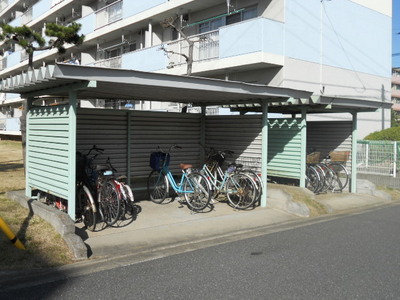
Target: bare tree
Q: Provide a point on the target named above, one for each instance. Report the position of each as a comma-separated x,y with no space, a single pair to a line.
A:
172,22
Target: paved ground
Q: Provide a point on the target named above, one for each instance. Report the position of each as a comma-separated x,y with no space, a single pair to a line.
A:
157,226
159,230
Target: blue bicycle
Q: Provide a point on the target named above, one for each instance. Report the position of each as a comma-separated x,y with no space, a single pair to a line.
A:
193,186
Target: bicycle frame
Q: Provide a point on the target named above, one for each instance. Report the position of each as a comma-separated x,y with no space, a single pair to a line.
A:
218,184
177,187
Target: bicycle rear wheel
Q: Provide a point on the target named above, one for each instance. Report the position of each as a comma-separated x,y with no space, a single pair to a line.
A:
241,191
257,180
110,202
157,186
341,178
197,191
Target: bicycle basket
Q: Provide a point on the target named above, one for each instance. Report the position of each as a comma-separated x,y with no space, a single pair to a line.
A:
313,158
340,156
157,160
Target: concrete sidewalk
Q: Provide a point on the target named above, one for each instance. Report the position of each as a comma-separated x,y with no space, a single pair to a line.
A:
158,226
155,226
159,230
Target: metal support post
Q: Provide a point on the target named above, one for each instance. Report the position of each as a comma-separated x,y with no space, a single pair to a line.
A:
264,154
353,179
25,120
303,159
72,155
202,133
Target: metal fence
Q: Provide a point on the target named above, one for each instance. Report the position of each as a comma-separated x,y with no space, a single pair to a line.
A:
378,157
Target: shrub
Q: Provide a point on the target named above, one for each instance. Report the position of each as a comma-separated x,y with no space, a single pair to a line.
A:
389,134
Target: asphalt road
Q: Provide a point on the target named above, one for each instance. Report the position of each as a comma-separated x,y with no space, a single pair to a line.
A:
352,256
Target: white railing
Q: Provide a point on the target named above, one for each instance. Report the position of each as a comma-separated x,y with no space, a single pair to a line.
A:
114,62
109,14
3,63
27,16
206,46
2,124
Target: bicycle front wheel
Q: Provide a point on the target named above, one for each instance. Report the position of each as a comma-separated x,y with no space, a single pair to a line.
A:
241,191
86,207
110,202
312,179
197,191
157,187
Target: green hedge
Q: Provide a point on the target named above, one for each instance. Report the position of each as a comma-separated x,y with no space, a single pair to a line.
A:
390,134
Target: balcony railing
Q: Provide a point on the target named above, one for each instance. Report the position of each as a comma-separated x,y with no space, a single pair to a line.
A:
109,14
206,46
3,63
115,62
27,16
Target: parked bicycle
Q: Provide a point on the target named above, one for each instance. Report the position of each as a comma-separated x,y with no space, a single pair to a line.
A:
336,161
127,199
239,187
98,182
327,174
193,186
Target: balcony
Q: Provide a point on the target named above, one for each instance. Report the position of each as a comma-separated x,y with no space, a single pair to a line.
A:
109,14
261,37
206,46
395,93
256,41
115,62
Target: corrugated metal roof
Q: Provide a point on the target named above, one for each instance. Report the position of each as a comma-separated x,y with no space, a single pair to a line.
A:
317,104
105,83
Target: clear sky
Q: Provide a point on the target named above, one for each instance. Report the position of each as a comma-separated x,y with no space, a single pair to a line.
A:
395,34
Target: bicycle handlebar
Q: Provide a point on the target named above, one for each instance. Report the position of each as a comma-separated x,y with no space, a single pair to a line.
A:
174,146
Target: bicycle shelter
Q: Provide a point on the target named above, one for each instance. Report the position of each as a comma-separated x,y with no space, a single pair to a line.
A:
55,133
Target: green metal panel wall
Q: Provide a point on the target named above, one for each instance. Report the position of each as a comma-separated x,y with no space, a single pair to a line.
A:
284,148
48,136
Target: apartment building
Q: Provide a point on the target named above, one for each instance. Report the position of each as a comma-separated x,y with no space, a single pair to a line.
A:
335,48
396,86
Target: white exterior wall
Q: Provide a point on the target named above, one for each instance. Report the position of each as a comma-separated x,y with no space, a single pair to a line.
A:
340,47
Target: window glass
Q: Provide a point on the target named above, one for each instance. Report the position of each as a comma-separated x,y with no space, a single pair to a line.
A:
113,53
247,13
235,18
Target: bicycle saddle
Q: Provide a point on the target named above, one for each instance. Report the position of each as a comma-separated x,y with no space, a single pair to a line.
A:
185,166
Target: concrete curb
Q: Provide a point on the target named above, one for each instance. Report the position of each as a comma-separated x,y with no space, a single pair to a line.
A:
61,222
282,200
